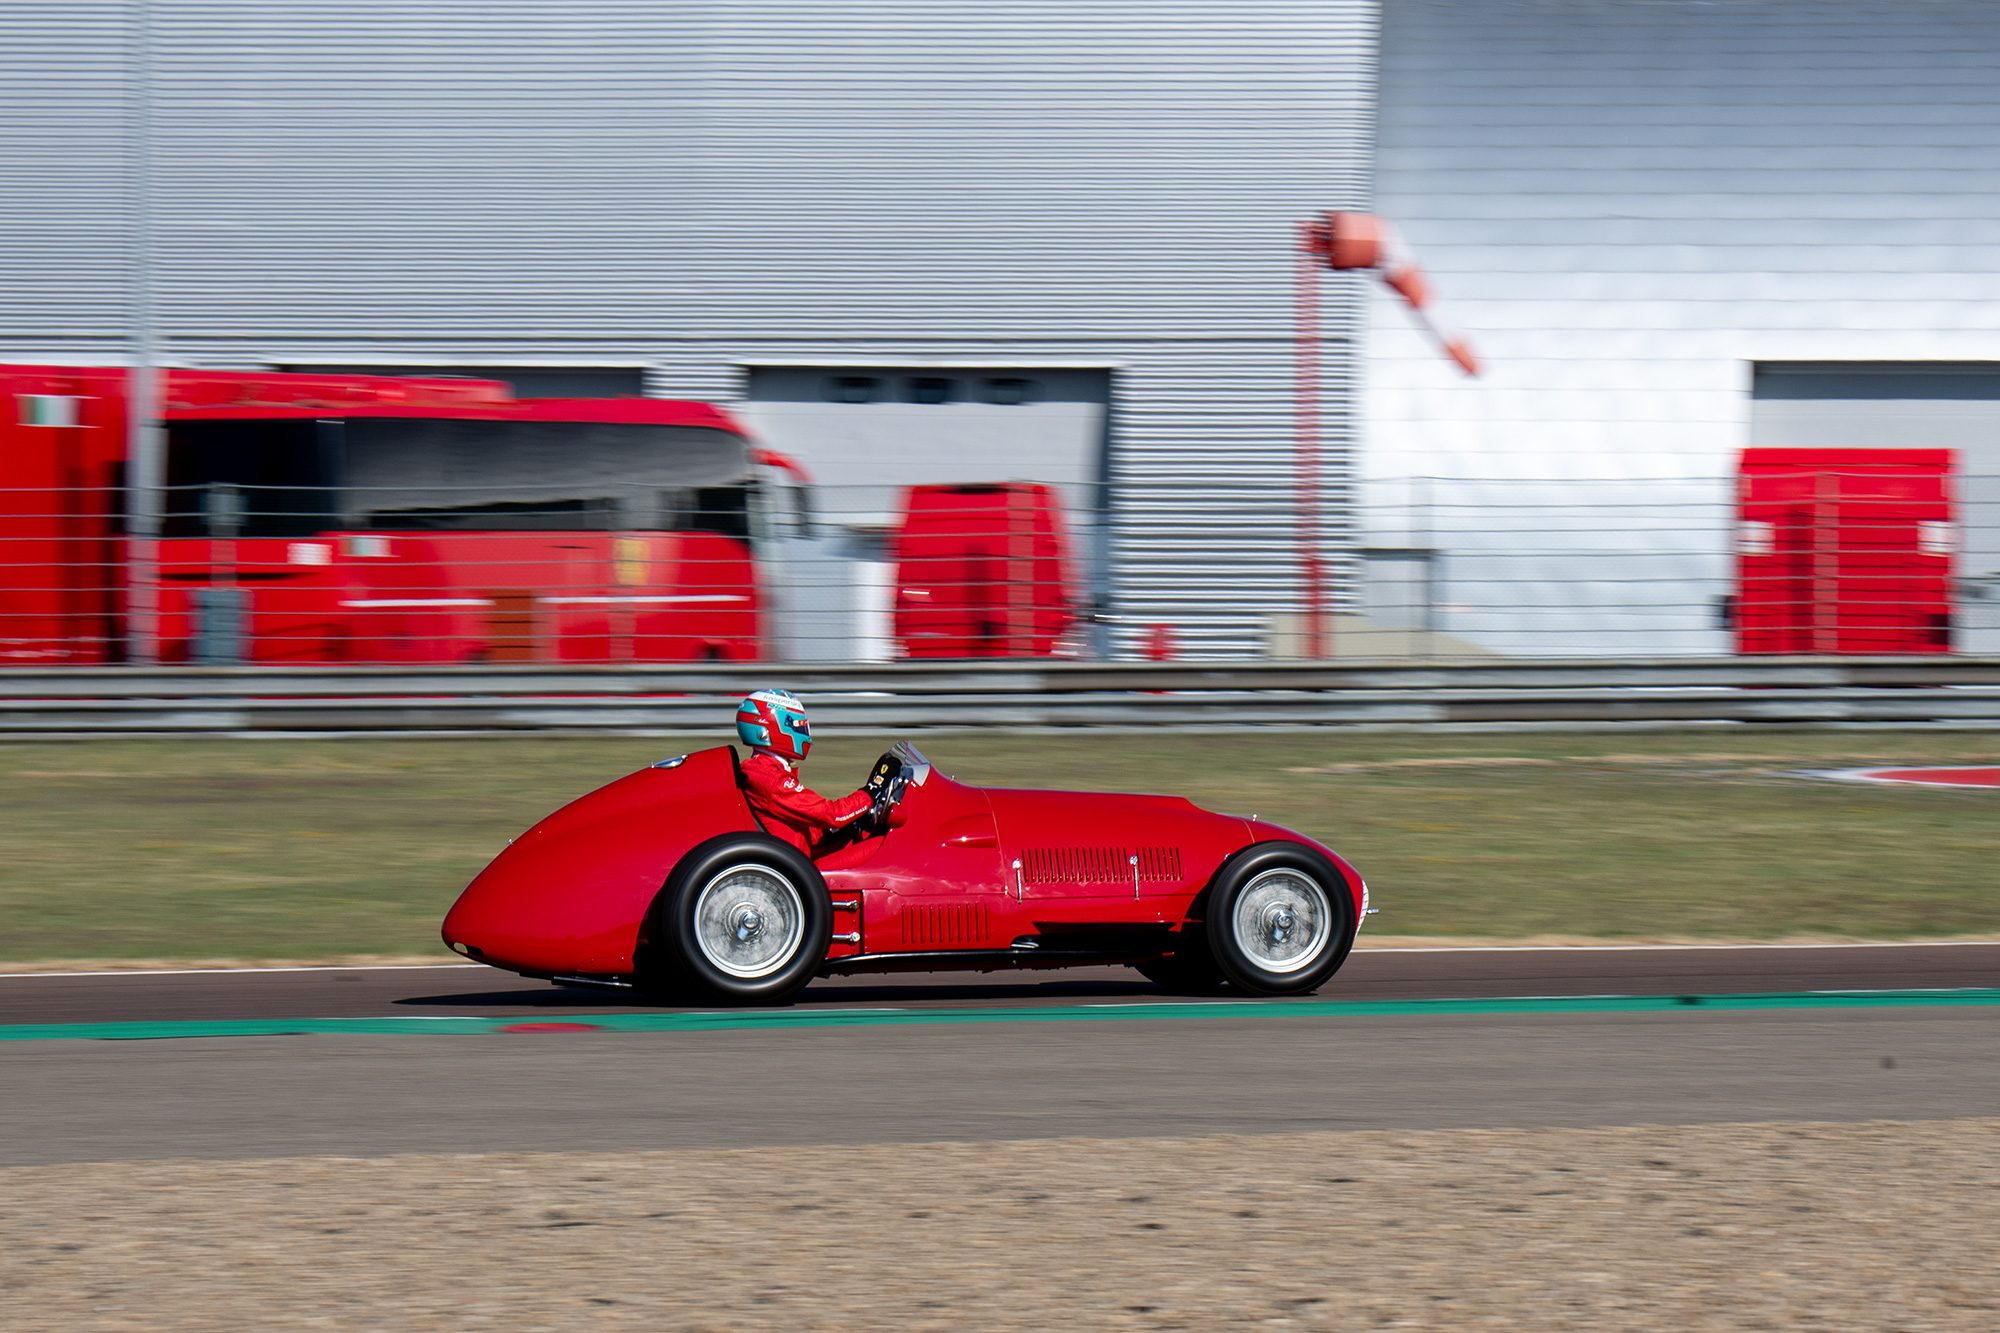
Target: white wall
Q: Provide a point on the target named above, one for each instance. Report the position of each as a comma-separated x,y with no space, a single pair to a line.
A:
1626,203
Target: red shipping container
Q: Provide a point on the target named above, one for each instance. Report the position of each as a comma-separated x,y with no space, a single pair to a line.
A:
1844,551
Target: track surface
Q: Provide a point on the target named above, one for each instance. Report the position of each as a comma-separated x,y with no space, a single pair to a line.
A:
368,1096
1246,1072
1387,974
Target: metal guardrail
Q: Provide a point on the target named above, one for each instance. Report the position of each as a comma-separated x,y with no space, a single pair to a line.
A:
193,700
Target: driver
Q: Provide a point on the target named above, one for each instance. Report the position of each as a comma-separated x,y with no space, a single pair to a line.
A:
773,724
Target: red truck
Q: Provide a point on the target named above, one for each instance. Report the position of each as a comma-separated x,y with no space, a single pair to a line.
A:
336,518
1845,551
982,571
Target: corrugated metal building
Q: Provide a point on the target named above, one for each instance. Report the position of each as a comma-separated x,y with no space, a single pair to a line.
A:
1633,206
703,197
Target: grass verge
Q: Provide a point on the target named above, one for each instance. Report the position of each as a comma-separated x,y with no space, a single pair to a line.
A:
211,849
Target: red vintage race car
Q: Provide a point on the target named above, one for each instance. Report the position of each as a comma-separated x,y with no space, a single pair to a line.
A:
664,881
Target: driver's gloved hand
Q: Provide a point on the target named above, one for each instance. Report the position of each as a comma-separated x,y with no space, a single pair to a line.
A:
878,813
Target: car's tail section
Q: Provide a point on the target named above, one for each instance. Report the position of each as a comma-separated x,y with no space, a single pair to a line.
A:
569,895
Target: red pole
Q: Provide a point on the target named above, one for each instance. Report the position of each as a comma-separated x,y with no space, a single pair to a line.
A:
1311,246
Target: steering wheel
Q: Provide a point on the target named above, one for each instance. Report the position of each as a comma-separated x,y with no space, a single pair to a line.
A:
886,784
886,771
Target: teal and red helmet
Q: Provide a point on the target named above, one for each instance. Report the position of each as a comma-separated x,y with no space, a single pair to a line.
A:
774,720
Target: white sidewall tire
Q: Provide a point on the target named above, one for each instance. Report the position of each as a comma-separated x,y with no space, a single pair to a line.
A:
1280,919
743,919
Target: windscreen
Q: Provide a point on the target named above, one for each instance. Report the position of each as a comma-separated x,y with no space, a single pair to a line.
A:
293,477
543,475
919,767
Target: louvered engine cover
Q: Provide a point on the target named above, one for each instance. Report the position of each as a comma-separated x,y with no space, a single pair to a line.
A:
1099,865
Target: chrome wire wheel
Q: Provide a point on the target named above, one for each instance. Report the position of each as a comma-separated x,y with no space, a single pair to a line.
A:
1282,920
749,921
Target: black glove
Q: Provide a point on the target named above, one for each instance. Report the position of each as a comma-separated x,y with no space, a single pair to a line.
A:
878,813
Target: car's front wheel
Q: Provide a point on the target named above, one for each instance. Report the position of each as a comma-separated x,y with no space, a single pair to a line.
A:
744,919
1280,919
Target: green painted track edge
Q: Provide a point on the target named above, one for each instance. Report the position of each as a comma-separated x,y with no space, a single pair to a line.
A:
734,1020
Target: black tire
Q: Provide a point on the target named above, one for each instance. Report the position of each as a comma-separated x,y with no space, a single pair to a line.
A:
1279,919
743,919
1188,971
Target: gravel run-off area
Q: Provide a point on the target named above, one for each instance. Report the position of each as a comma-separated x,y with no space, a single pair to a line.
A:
1878,1227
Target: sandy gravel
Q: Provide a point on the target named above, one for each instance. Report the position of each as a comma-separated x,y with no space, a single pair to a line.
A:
1825,1227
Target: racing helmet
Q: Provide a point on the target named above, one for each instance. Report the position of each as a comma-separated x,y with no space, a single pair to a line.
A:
774,720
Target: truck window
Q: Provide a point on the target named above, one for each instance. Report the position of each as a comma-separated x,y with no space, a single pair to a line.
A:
261,478
552,476
289,477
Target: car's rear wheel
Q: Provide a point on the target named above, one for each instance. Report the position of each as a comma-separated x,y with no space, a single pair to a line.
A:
744,919
1280,919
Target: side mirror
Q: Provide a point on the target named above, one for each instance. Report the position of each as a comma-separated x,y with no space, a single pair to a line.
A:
898,817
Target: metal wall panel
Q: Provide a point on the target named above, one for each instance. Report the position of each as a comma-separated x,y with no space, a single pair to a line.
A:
63,122
698,186
1110,182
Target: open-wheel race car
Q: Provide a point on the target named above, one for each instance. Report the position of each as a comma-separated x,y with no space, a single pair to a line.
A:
665,881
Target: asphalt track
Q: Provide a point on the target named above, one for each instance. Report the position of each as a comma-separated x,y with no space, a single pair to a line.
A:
877,1061
1369,975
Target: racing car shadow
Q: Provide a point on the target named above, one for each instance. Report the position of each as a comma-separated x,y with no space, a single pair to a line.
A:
919,988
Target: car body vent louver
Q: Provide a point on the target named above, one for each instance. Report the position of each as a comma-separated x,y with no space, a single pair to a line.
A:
945,923
1099,865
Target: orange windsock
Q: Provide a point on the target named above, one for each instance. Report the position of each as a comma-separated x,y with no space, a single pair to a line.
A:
1348,241
1410,284
1459,350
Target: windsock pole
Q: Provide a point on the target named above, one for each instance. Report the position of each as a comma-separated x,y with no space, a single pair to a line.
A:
1312,569
1345,242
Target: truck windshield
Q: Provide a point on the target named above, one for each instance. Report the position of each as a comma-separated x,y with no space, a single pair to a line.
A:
292,477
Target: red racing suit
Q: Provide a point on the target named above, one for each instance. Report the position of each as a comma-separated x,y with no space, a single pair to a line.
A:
790,809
